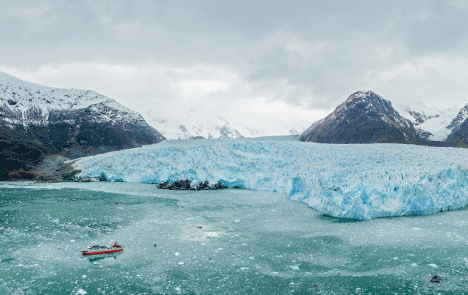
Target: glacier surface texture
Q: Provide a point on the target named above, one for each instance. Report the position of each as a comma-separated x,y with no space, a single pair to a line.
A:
347,181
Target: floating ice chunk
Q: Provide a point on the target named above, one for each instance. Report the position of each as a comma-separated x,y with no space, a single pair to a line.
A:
180,263
295,266
414,264
176,253
433,265
81,292
211,234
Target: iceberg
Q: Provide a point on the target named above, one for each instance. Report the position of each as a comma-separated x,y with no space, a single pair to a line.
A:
357,181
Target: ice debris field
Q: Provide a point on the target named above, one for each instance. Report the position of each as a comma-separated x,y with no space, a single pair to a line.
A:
348,181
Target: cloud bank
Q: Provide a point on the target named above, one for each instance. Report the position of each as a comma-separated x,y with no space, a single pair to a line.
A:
264,63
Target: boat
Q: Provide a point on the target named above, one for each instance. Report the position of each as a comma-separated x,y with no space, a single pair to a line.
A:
96,250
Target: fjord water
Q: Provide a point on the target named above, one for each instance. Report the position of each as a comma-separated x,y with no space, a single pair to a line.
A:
216,242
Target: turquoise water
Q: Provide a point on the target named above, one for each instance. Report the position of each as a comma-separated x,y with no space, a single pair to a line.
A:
216,242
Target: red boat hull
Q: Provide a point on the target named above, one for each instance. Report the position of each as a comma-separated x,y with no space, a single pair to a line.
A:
101,252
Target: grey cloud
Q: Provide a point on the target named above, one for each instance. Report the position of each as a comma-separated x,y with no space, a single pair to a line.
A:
356,40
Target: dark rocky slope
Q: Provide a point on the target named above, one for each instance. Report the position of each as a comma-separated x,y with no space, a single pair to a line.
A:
37,121
459,126
364,117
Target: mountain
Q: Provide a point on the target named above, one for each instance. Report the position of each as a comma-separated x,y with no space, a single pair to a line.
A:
432,124
364,117
459,126
188,128
192,126
37,120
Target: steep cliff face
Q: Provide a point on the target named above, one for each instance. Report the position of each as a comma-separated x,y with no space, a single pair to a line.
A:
36,120
364,117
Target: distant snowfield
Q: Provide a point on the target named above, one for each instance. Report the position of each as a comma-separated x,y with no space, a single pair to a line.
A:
349,181
188,126
436,121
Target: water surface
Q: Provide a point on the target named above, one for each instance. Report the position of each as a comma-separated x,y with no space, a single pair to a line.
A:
216,242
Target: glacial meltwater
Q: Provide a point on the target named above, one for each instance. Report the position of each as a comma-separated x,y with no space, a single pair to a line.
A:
216,242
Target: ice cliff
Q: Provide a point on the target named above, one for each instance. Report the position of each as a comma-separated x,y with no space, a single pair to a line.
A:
348,181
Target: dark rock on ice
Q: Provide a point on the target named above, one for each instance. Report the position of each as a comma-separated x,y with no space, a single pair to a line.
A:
186,184
436,279
218,185
204,185
164,185
183,184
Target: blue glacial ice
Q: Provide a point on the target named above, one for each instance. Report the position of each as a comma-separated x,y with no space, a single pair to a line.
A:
348,181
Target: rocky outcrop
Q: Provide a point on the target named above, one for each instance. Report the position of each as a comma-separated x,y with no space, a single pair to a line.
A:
186,184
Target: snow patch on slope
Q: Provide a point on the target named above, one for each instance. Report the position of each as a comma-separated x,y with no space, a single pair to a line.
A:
431,123
27,100
349,181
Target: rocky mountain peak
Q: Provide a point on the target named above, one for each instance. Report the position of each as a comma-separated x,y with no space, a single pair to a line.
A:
364,117
362,94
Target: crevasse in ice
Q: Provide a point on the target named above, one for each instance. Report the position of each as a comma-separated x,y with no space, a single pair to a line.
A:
349,181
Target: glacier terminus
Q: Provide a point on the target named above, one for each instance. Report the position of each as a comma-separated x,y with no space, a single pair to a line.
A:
356,181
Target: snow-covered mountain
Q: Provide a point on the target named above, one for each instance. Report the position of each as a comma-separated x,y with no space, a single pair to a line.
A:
350,181
37,120
432,124
193,127
364,117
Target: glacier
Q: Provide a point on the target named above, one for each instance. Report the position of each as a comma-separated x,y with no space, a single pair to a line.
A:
356,181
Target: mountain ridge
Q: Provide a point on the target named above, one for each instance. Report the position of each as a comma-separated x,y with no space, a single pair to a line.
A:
434,127
39,120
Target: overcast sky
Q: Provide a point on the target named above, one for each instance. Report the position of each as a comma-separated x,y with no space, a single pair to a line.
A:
259,62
